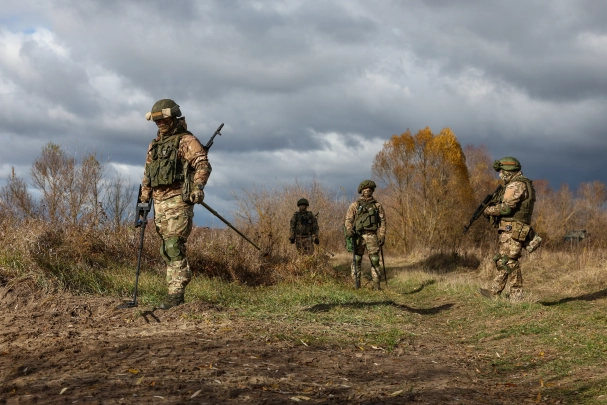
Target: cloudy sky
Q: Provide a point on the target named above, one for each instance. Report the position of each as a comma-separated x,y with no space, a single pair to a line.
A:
307,89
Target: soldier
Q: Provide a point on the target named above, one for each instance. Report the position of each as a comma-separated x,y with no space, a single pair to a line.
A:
176,171
511,214
366,224
303,228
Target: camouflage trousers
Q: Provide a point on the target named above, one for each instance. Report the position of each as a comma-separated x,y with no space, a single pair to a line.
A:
367,241
304,245
508,267
173,220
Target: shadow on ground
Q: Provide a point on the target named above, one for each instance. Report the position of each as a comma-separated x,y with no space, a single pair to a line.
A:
361,305
584,297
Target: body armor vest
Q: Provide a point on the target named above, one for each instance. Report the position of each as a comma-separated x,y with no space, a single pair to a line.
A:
166,167
524,210
367,216
304,224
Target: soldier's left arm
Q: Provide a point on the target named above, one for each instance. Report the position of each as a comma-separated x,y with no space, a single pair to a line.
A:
196,155
381,230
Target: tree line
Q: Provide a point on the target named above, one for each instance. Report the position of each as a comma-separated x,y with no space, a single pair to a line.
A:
429,186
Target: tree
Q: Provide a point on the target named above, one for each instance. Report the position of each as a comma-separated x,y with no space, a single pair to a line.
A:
426,186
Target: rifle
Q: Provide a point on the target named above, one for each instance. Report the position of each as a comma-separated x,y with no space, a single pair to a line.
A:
142,209
481,208
210,143
212,211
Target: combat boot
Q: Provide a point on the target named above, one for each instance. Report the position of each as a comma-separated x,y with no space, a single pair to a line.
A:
487,294
171,300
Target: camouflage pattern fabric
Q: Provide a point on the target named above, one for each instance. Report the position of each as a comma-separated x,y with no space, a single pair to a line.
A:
508,267
351,217
304,245
510,243
173,220
368,240
191,150
514,193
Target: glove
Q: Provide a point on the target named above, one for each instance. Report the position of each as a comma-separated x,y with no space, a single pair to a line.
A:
316,241
381,240
197,196
292,240
145,197
349,233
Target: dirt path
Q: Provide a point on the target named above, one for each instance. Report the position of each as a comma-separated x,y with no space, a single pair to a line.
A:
65,350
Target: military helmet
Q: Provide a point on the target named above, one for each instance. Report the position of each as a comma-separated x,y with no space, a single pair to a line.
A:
507,163
303,201
366,184
164,108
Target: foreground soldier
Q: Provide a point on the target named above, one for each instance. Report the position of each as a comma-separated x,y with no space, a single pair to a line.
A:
366,224
176,171
511,213
304,229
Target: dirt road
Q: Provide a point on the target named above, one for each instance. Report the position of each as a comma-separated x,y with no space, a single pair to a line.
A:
65,350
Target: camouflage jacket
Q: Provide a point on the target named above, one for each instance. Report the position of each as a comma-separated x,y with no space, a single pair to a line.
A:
515,193
353,212
190,150
303,224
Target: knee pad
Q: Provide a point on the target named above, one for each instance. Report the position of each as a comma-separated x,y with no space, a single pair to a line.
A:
374,260
505,263
174,248
358,260
163,253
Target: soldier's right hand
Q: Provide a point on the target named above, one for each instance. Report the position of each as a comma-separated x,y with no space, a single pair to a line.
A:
197,196
292,240
144,198
349,233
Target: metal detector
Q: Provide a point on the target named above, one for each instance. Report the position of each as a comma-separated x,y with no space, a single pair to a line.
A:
141,220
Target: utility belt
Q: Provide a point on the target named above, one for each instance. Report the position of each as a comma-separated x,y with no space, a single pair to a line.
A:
517,229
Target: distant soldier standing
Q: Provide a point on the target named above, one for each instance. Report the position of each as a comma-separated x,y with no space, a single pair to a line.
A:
176,171
304,229
366,223
511,214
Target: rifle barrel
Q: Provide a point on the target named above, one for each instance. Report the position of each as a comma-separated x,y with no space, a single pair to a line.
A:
212,211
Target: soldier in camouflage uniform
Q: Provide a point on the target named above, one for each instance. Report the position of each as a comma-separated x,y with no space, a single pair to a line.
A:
304,229
366,224
176,171
511,212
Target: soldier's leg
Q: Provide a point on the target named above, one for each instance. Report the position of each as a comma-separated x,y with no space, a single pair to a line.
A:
175,228
359,250
308,246
507,265
372,245
516,280
160,225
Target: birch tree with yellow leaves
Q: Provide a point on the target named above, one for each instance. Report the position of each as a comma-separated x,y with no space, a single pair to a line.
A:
425,188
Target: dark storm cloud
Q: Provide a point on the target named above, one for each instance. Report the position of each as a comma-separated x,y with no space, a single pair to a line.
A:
307,89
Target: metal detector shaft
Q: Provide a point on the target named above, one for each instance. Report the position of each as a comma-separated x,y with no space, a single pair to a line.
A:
212,211
356,275
141,220
381,250
326,250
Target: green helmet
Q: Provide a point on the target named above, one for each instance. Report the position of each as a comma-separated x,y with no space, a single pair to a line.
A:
366,184
164,108
302,201
507,163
